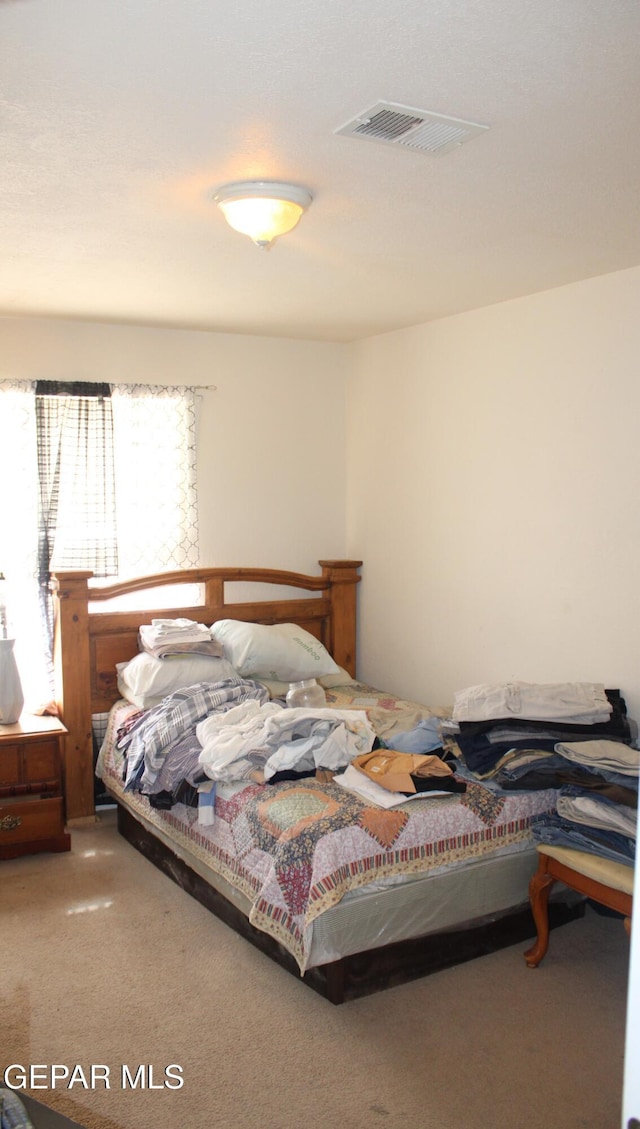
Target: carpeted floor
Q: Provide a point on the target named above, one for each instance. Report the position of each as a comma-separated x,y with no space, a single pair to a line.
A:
106,962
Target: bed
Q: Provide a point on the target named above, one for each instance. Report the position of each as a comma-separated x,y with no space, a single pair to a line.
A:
348,896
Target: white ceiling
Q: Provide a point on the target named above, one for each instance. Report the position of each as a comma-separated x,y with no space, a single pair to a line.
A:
120,119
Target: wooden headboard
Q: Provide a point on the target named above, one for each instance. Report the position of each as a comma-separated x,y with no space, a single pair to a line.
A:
89,643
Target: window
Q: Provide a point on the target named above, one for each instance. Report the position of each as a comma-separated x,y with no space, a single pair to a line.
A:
94,476
77,525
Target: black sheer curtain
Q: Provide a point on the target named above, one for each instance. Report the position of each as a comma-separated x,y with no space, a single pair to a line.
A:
76,507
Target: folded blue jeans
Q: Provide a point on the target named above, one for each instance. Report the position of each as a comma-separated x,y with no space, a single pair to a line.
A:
555,831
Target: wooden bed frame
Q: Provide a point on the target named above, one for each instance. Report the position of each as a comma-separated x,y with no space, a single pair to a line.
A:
89,643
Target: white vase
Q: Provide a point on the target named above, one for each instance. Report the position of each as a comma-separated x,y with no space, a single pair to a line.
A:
11,697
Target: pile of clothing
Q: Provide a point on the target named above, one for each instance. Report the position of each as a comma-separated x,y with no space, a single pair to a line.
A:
389,778
574,737
598,814
509,731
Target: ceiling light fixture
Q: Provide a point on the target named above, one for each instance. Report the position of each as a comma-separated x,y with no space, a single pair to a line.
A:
262,209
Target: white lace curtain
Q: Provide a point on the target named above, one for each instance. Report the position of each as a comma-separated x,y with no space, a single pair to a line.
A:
154,439
155,472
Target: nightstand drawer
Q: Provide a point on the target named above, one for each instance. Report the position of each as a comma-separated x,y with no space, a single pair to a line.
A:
30,820
9,765
40,762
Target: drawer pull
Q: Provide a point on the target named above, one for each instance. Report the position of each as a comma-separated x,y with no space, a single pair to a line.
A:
10,822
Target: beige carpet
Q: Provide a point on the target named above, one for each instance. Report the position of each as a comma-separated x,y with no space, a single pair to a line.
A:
106,961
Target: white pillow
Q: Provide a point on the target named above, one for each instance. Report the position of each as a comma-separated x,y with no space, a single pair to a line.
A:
145,680
282,652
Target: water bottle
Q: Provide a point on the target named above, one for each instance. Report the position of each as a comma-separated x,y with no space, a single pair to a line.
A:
307,694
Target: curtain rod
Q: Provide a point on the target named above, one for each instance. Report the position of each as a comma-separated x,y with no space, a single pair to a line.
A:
50,386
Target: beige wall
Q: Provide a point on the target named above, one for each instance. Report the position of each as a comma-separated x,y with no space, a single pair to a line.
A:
271,464
494,494
492,467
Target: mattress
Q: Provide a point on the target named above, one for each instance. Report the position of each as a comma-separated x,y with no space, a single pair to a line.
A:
328,874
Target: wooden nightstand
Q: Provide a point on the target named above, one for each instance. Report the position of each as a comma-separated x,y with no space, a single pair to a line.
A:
31,796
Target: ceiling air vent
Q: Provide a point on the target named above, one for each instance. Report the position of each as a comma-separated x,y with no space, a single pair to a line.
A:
394,124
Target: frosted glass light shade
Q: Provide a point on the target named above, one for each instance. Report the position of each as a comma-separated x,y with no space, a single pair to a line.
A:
262,209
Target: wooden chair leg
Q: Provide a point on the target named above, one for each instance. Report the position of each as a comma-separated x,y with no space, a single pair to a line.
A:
627,925
539,890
